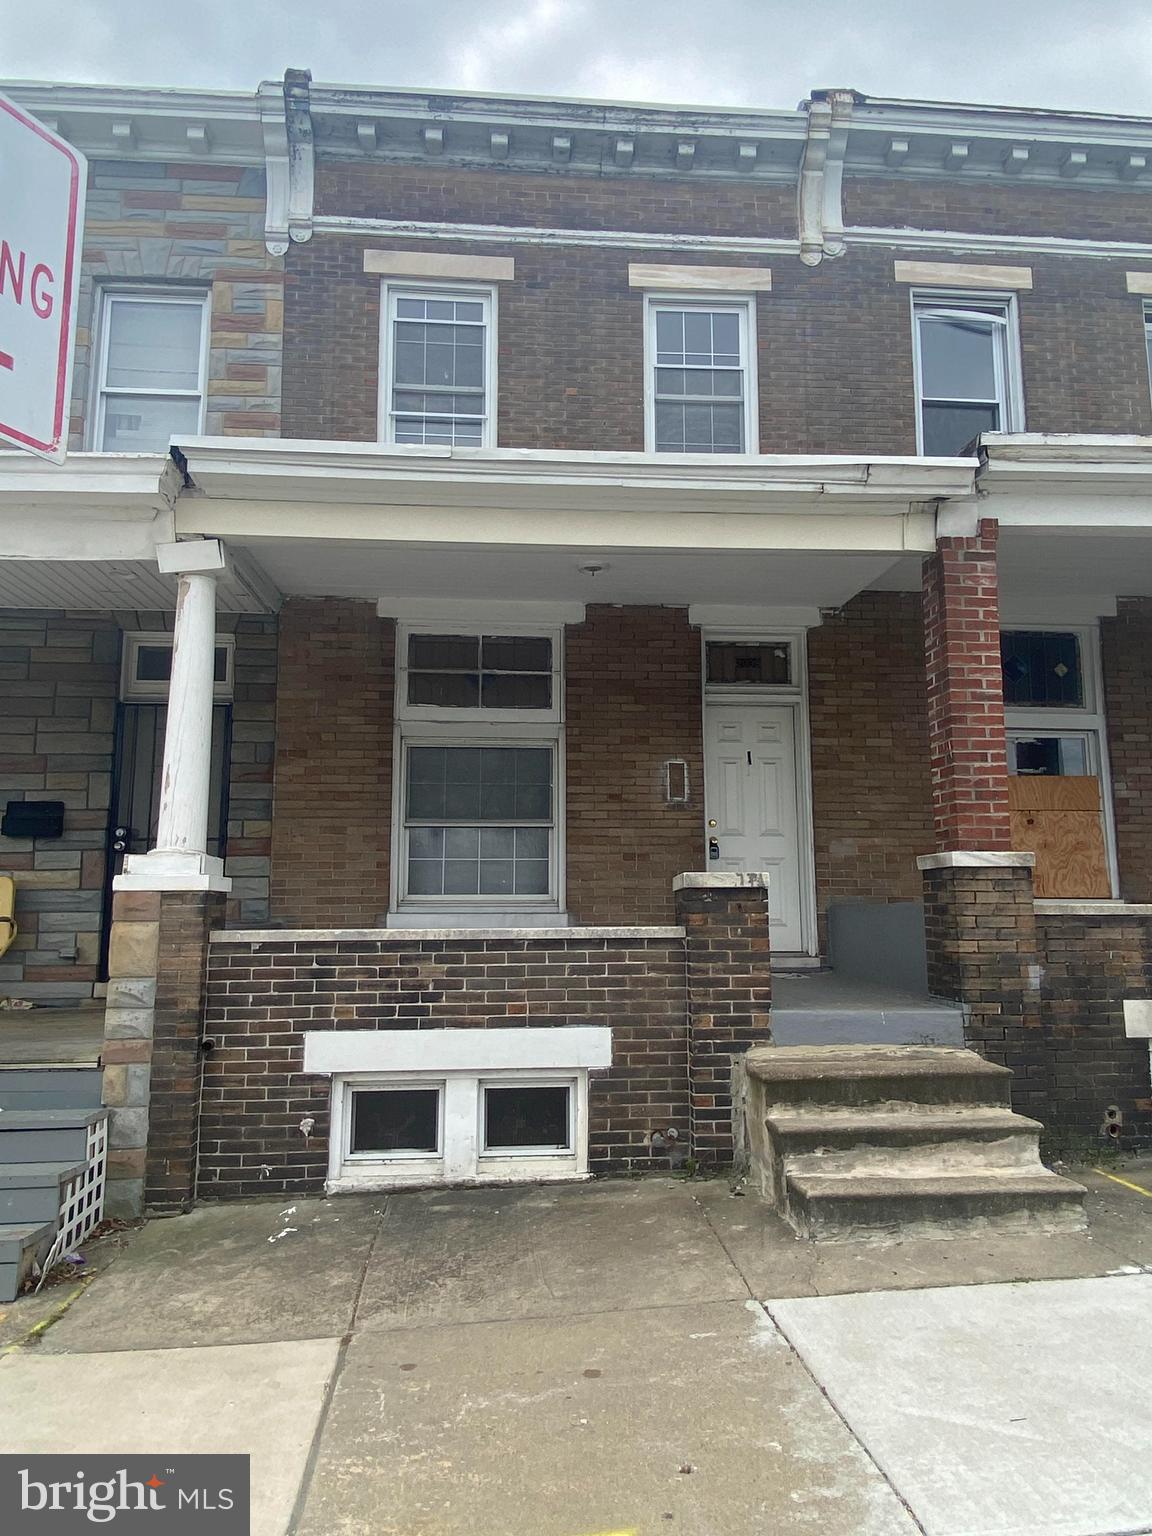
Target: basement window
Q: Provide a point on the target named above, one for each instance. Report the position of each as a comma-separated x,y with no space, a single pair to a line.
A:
462,1127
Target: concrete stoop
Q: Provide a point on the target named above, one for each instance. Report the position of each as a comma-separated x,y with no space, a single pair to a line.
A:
850,1142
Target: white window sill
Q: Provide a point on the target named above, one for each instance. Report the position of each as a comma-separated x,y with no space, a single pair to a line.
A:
470,917
383,1176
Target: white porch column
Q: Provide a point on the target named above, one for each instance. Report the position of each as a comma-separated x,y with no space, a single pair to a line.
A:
180,860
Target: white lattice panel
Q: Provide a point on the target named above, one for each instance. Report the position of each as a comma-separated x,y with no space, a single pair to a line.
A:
82,1197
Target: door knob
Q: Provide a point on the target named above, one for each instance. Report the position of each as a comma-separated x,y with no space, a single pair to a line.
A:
712,823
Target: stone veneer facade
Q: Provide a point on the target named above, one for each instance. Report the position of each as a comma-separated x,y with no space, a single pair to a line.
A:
194,227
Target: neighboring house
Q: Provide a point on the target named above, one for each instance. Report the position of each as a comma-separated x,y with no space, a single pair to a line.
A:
616,517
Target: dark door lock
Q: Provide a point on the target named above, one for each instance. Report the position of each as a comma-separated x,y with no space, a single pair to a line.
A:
713,848
120,836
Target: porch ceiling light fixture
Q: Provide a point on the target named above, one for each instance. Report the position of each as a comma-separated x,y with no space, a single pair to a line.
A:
593,568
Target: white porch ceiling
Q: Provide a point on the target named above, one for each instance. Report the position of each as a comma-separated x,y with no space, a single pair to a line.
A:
107,585
773,578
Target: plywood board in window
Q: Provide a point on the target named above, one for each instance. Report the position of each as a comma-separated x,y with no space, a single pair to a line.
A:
1058,819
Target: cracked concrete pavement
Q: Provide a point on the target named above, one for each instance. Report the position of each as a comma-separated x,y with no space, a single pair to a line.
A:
633,1356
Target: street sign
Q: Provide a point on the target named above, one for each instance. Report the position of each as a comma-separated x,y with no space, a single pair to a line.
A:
42,183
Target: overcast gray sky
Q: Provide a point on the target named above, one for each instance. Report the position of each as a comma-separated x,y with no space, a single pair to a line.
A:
765,53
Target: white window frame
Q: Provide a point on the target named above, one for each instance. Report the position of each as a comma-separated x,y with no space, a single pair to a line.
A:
436,725
108,299
1009,375
466,630
1070,720
461,1158
391,1085
744,306
390,291
135,690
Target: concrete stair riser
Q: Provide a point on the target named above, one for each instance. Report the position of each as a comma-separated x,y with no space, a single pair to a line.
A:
928,1208
851,1142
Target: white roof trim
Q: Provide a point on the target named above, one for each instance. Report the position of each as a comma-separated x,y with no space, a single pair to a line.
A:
233,466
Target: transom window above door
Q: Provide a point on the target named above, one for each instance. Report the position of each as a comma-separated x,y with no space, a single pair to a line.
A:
438,379
150,370
967,370
701,378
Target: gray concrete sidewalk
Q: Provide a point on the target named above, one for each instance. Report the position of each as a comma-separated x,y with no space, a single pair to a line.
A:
620,1357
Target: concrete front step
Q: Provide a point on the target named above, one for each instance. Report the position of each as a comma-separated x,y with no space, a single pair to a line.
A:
924,1139
876,1074
22,1244
836,1209
34,1191
882,1141
50,1087
46,1135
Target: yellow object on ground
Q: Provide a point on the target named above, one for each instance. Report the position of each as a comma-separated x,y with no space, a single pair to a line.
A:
1127,1183
7,911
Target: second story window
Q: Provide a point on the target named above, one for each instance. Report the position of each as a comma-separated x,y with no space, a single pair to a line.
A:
438,373
967,370
151,370
701,384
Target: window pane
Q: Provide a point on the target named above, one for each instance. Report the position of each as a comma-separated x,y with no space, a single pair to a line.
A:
440,652
1049,756
480,783
699,428
144,423
449,690
1042,669
153,346
949,429
526,1117
958,358
396,1120
708,382
753,664
507,691
517,653
439,431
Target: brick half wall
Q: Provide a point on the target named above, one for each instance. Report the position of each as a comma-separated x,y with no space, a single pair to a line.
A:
263,996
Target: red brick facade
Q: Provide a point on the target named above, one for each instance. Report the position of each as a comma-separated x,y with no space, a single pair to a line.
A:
966,746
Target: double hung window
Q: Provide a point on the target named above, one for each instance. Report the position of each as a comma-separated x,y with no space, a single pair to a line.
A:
702,392
438,367
150,370
967,370
478,827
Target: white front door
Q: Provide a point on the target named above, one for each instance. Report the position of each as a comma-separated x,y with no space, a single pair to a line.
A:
751,805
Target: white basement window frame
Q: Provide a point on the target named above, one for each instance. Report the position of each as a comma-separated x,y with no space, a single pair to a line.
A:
179,408
139,682
451,413
669,372
1003,401
461,1155
468,728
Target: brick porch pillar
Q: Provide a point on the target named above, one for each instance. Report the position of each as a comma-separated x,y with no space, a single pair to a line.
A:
729,977
980,924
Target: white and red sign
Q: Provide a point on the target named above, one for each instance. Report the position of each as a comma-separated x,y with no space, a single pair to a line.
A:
42,183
